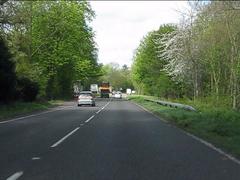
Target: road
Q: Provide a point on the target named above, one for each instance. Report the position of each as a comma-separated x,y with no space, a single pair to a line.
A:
114,140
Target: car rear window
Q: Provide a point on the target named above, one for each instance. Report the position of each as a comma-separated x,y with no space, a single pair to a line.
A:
85,95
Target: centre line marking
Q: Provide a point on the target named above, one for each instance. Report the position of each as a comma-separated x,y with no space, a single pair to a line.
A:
65,137
98,111
36,158
15,176
89,119
105,106
102,108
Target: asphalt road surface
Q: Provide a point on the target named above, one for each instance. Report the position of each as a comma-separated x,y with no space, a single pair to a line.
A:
116,140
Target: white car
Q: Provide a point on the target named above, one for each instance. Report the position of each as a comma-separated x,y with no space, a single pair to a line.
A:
86,98
118,95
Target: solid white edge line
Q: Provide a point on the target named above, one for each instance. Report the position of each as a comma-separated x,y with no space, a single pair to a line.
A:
209,145
15,175
212,147
89,119
33,115
65,137
149,112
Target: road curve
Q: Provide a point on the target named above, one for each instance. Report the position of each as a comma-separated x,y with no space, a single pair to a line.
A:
114,140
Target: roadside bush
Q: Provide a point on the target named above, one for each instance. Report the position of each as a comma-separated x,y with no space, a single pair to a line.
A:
7,74
27,90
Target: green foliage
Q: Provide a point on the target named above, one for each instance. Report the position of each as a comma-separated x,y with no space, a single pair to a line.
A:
119,77
52,43
148,68
27,90
69,54
198,58
21,108
7,74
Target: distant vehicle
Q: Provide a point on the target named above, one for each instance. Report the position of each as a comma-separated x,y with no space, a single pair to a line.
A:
128,91
86,98
133,92
94,88
118,95
77,88
105,90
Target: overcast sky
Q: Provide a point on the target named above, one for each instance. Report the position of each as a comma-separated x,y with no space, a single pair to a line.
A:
120,25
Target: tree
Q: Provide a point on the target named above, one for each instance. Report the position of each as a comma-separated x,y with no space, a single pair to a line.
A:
7,74
63,45
118,77
52,43
148,71
204,52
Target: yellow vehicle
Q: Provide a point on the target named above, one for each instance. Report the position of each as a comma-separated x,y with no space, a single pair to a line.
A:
105,90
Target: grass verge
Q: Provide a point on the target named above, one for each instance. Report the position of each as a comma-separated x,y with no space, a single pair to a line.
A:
23,108
219,126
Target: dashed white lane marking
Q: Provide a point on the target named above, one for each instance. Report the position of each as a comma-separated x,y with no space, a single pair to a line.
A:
15,176
65,137
89,119
73,131
106,105
103,107
45,112
36,158
99,111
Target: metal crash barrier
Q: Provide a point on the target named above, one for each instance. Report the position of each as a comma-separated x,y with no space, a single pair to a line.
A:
174,105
